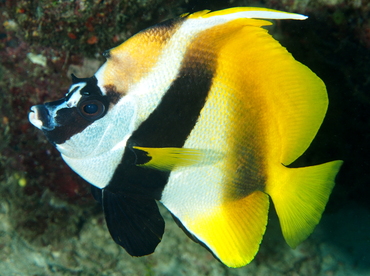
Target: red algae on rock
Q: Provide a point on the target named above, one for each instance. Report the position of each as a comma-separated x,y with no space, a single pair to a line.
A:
39,43
55,23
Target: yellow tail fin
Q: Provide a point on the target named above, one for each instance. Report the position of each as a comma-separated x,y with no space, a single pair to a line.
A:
300,196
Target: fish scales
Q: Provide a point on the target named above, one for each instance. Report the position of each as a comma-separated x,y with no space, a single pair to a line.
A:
202,113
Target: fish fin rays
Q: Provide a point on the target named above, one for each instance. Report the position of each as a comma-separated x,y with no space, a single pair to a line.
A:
289,100
299,110
246,12
300,198
134,224
232,231
167,159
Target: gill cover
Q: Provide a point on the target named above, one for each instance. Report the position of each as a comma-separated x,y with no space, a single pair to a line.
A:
201,113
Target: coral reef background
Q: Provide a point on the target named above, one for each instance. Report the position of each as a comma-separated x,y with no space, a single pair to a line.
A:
50,224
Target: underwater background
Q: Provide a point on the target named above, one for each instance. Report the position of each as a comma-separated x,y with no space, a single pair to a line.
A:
49,222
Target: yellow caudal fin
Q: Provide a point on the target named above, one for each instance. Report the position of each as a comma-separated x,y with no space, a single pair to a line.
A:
232,231
300,196
167,159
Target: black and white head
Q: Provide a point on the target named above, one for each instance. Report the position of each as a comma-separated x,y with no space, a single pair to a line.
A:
89,126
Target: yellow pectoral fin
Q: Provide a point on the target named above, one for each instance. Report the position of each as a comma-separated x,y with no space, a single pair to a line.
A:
168,158
300,196
234,230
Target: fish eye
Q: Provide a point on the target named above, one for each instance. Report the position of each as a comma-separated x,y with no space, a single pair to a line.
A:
92,109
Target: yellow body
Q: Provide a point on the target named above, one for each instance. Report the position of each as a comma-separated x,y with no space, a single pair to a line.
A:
262,112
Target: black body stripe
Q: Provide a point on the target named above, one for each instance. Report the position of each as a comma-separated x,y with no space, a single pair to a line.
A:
172,121
129,198
169,125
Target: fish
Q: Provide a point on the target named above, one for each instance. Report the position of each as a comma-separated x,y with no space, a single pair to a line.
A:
202,113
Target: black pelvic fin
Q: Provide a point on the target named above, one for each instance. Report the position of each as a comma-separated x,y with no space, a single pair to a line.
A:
134,224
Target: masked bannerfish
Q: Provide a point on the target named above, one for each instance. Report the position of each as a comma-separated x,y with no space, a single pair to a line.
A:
202,113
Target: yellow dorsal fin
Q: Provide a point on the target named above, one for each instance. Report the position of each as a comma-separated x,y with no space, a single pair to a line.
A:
168,158
288,99
198,14
300,196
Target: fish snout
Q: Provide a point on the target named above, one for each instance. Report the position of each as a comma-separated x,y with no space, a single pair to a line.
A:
40,117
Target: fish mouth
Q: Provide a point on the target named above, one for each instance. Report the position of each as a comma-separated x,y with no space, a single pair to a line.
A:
39,116
33,117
